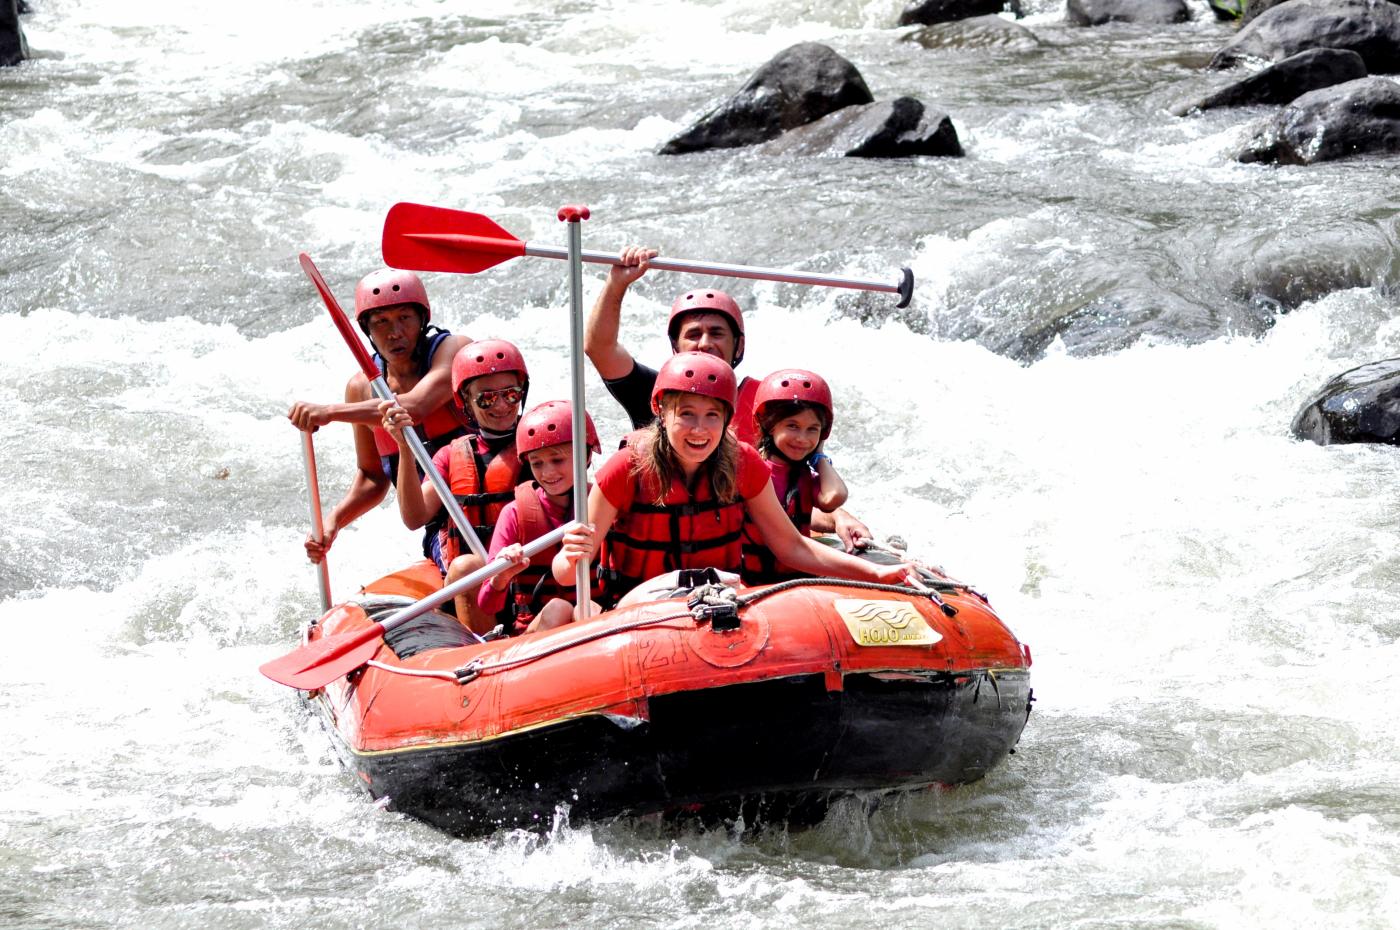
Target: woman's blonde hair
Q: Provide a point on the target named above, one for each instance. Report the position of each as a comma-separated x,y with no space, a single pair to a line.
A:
655,460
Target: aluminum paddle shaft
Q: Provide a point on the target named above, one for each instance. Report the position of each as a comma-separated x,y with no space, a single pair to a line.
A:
573,217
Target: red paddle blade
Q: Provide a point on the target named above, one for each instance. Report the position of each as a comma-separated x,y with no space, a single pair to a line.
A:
317,664
424,238
352,338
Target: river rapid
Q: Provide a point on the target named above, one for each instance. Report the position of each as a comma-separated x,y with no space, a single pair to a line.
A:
1213,608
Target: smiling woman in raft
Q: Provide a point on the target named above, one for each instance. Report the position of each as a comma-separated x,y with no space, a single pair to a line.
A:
677,495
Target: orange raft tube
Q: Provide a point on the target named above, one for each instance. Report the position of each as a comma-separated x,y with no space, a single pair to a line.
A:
809,690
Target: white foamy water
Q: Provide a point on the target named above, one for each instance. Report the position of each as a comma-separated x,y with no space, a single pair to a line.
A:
1211,605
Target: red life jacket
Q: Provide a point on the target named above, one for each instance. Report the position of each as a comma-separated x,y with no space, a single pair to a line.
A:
534,586
761,566
686,531
482,487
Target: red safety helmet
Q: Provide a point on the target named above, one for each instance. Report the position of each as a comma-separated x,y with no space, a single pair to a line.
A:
709,301
696,373
486,357
389,287
794,384
550,424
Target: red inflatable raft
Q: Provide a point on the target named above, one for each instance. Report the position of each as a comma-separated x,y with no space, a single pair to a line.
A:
768,701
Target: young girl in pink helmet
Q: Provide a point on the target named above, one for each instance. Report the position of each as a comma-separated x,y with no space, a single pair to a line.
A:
544,440
792,416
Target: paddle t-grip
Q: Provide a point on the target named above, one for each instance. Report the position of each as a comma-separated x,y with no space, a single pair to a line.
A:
573,213
906,287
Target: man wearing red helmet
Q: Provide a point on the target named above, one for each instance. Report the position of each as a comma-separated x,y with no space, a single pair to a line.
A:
392,309
702,320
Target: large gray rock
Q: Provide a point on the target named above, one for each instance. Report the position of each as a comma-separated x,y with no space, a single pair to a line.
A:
1253,9
976,32
928,12
1099,12
1280,83
1356,118
1371,28
1360,405
799,85
13,47
892,129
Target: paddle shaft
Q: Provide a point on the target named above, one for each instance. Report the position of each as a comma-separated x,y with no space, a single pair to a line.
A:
572,217
318,529
726,270
487,571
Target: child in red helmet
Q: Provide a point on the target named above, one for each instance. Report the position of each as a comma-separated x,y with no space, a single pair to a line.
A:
544,439
678,494
489,383
793,416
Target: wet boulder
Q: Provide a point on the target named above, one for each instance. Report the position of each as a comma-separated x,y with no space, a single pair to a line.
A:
1099,12
797,86
928,12
892,129
1371,28
1285,81
1253,9
13,47
1359,117
1360,405
976,32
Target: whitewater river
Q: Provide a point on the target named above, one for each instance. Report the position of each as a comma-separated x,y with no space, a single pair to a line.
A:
1213,608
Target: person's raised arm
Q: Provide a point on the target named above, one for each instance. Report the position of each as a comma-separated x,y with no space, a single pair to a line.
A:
583,542
600,335
808,555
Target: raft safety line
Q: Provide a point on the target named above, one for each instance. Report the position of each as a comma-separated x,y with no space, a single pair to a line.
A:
415,672
473,670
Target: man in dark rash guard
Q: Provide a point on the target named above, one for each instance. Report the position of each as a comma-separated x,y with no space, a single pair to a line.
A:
416,359
702,320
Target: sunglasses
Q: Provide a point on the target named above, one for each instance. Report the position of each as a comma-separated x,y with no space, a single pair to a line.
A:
487,399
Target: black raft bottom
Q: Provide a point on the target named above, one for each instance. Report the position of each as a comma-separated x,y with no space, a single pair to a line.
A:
781,749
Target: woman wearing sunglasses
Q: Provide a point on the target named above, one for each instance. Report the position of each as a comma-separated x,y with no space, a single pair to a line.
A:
489,383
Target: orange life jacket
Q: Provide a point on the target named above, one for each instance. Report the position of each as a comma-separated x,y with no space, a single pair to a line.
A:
534,586
482,487
761,566
688,530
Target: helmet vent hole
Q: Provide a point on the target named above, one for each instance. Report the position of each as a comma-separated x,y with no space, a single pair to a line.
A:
376,292
396,287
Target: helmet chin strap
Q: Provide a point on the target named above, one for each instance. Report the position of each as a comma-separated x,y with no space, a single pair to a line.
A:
491,435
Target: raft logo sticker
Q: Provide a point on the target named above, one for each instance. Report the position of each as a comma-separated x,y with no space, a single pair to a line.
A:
885,623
